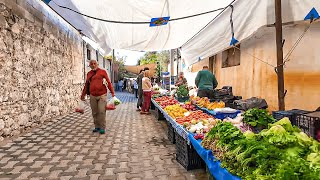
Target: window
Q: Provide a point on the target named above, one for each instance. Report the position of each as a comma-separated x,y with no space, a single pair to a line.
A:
88,54
231,57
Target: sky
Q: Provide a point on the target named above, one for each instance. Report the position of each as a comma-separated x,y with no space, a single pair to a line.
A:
132,57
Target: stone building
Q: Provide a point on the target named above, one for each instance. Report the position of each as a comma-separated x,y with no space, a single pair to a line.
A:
42,65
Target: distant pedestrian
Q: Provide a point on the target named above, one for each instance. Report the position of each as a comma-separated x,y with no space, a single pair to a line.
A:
125,84
135,87
98,93
120,85
206,83
140,92
147,88
181,80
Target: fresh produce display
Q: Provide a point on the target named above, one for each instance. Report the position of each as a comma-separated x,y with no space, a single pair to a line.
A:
194,115
258,118
279,152
165,101
175,111
182,91
189,107
205,103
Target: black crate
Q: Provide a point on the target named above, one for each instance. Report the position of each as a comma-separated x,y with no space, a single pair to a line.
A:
171,133
152,106
309,123
159,115
291,114
186,155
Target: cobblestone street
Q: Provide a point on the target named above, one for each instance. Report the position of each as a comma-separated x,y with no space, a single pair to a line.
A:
134,147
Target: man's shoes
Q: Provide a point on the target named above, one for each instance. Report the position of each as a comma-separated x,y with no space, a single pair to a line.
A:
102,131
96,130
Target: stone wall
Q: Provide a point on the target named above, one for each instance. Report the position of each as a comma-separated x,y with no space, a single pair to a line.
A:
41,66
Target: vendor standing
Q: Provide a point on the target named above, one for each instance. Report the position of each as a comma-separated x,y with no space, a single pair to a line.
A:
181,80
206,82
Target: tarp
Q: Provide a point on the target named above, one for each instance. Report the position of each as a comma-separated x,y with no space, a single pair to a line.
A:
138,36
248,17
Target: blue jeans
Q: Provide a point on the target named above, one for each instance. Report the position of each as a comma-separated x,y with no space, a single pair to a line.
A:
120,88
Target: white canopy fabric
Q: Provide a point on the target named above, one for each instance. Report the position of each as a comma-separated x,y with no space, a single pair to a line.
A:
248,17
139,37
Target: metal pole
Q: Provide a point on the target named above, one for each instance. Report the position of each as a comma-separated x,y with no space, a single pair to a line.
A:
279,44
112,67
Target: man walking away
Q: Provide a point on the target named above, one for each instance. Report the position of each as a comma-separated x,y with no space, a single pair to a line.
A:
98,93
140,92
206,83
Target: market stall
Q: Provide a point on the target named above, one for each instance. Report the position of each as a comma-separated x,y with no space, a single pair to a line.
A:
234,145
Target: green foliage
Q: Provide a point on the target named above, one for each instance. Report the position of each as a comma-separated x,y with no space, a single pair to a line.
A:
162,59
259,118
182,91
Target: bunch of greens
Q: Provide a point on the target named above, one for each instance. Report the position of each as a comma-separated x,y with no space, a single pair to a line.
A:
258,118
279,152
182,91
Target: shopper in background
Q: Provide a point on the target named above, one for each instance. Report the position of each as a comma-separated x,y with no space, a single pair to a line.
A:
98,93
181,80
206,82
135,87
147,88
120,85
140,92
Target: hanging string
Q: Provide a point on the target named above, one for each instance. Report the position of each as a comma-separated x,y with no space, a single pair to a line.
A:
231,21
286,58
254,56
134,22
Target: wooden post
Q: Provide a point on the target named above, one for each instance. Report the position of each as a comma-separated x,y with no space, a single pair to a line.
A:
279,69
211,59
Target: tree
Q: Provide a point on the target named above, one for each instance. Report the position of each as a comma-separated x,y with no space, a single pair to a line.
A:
162,59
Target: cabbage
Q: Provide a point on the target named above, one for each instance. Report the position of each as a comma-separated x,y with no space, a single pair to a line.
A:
277,135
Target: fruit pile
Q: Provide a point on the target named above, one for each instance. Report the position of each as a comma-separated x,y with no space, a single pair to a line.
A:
195,115
215,105
189,107
175,111
166,101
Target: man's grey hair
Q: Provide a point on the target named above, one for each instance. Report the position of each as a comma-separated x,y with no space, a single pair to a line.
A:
93,60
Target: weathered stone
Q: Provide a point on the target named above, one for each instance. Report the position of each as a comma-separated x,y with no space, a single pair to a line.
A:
2,124
23,119
15,28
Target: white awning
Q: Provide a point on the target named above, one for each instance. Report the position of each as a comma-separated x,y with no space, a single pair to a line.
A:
248,17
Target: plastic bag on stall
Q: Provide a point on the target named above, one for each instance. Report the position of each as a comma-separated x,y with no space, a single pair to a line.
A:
80,107
112,103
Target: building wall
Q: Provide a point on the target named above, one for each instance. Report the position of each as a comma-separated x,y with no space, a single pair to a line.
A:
254,78
41,66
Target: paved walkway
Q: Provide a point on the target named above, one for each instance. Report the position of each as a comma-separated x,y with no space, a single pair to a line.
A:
134,147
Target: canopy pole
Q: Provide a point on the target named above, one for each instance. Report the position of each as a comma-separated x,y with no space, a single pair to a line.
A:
112,67
279,44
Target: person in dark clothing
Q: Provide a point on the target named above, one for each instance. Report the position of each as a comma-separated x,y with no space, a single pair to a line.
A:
140,93
206,82
125,84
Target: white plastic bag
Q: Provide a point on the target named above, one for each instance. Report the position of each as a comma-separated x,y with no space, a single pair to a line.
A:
112,103
80,107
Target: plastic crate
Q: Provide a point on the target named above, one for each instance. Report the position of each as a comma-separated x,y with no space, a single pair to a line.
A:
309,123
171,133
291,114
186,155
225,115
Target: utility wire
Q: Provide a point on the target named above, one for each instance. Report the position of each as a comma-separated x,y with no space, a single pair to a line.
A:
133,22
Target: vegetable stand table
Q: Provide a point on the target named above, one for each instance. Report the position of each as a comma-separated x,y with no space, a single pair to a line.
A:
212,163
